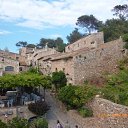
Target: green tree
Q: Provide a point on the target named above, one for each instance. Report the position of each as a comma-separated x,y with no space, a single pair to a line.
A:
125,39
74,36
60,45
76,96
59,79
56,43
18,123
33,70
43,42
121,11
46,82
114,28
31,45
3,125
89,22
39,123
21,44
23,80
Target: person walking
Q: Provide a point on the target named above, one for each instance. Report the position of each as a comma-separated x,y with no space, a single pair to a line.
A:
59,125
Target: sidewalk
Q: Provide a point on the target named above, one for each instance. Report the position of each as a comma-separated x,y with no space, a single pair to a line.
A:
55,113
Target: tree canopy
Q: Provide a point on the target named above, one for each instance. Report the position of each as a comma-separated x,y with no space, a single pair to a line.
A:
21,44
24,80
74,36
89,22
121,11
59,79
57,43
114,28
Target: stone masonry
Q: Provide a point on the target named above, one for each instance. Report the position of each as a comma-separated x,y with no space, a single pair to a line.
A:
106,115
85,59
96,62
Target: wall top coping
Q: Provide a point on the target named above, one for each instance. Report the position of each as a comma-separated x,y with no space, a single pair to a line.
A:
110,102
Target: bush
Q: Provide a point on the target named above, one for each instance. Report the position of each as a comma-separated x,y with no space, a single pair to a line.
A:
39,108
39,123
85,112
76,96
117,88
2,125
125,39
18,123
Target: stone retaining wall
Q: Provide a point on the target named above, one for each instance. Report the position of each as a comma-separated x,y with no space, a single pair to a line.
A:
106,115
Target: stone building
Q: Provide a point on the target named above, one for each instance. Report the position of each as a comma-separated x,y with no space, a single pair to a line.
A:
11,62
8,65
83,62
85,59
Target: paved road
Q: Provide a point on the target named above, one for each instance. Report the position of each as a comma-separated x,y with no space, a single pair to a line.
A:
55,114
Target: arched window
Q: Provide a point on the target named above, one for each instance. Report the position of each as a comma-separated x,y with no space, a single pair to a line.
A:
9,68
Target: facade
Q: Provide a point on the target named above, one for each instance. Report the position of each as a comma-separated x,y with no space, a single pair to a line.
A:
89,62
8,65
85,59
11,62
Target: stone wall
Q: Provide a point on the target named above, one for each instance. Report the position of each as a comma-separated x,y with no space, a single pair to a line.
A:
9,62
65,65
96,62
106,115
91,41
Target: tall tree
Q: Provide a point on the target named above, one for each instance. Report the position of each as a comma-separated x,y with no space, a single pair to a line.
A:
59,79
74,36
31,45
114,28
44,41
90,23
21,44
60,45
56,43
121,11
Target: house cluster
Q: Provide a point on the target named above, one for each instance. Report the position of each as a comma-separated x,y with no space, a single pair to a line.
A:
85,59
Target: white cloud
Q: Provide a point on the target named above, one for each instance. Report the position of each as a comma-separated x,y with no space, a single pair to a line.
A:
41,14
4,32
54,36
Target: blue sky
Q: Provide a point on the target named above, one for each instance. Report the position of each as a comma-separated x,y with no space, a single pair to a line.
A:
31,20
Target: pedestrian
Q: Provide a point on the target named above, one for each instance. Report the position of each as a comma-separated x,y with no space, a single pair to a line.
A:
59,124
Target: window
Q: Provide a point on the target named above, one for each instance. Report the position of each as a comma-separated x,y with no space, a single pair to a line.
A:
9,68
17,58
56,69
80,56
123,51
92,42
3,59
63,69
20,69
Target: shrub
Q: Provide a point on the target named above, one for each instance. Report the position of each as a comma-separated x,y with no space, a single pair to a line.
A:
39,123
39,108
125,39
59,79
18,123
85,112
2,125
76,96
